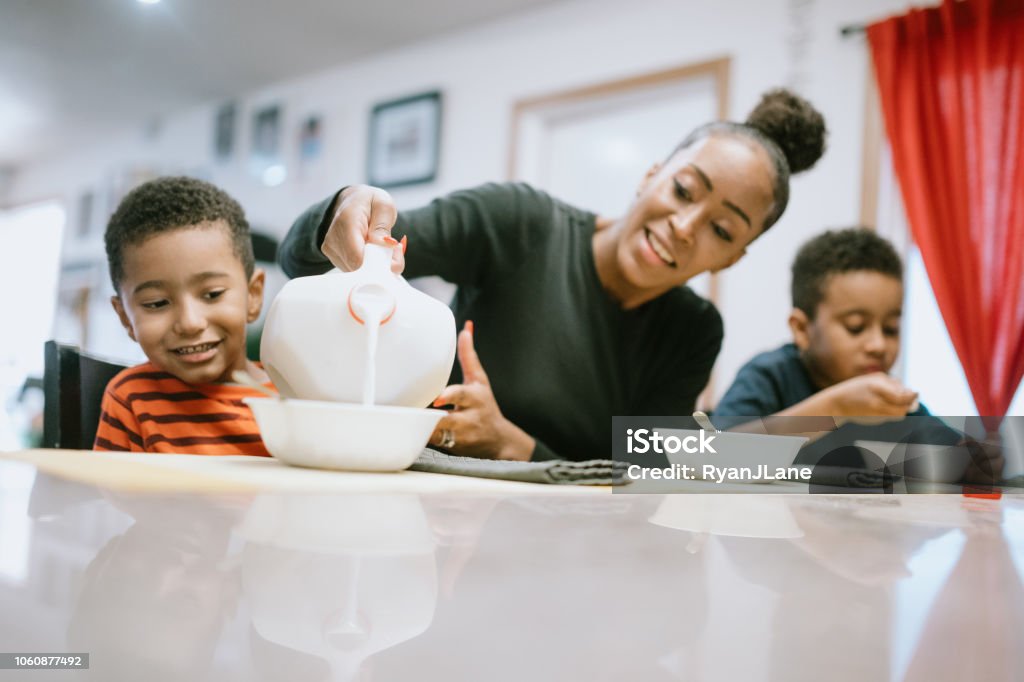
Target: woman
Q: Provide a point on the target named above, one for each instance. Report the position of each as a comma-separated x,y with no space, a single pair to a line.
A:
577,318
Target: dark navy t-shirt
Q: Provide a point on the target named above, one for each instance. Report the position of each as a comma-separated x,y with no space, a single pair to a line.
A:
776,380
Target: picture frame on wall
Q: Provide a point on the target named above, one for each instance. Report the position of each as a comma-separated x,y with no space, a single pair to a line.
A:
310,147
86,218
266,134
311,139
405,141
266,155
225,122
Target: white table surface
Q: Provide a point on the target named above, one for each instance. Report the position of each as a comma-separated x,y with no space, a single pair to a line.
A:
223,576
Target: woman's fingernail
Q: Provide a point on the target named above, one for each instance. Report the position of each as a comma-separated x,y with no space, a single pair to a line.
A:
404,243
469,327
390,241
438,402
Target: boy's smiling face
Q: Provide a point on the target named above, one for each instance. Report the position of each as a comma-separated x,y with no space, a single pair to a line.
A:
186,300
856,327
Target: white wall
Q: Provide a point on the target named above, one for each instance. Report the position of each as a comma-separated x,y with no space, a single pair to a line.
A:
482,72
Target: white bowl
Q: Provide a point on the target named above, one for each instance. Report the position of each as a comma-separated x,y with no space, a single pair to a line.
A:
328,435
737,450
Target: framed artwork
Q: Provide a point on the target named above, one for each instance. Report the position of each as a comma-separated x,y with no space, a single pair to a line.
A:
266,159
311,139
224,131
266,133
86,219
405,141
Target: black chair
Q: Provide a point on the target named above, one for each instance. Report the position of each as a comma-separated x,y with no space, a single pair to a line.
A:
73,385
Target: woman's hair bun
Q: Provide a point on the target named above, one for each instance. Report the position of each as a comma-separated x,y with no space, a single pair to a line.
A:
793,124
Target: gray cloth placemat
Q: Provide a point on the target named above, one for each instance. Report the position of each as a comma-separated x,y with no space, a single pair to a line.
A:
558,472
849,477
604,471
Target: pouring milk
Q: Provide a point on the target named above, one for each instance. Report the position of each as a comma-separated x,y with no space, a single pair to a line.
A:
323,335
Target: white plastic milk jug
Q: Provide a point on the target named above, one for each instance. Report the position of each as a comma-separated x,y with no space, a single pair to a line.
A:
359,337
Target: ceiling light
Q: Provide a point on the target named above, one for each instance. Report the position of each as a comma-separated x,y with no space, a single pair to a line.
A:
148,2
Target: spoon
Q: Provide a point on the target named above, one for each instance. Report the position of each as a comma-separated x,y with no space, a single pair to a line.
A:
244,378
704,421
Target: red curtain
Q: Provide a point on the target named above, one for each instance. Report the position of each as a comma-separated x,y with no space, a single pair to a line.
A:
951,84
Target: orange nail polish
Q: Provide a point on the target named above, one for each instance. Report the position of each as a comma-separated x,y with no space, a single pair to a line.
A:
438,402
405,243
391,241
469,327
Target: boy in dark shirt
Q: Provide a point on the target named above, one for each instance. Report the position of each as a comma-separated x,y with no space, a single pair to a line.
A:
847,292
847,301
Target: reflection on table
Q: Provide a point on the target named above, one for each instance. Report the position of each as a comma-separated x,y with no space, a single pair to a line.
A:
378,586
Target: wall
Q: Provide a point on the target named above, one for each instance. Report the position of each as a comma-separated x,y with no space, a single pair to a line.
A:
482,72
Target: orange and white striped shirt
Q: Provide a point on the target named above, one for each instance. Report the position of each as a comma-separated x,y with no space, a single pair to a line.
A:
145,409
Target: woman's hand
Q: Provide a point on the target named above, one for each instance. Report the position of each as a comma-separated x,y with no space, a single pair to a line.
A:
476,425
362,215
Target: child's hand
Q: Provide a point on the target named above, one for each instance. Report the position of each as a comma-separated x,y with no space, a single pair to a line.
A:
871,395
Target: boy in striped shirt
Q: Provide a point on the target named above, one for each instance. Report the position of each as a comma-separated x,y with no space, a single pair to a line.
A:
186,285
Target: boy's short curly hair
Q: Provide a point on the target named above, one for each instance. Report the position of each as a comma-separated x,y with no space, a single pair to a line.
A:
839,251
173,203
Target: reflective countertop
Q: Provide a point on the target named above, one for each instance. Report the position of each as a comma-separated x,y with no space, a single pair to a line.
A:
236,585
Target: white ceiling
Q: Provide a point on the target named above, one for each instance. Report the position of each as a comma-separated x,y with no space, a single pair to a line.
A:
74,69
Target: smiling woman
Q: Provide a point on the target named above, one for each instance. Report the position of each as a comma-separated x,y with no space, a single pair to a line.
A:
578,318
686,220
